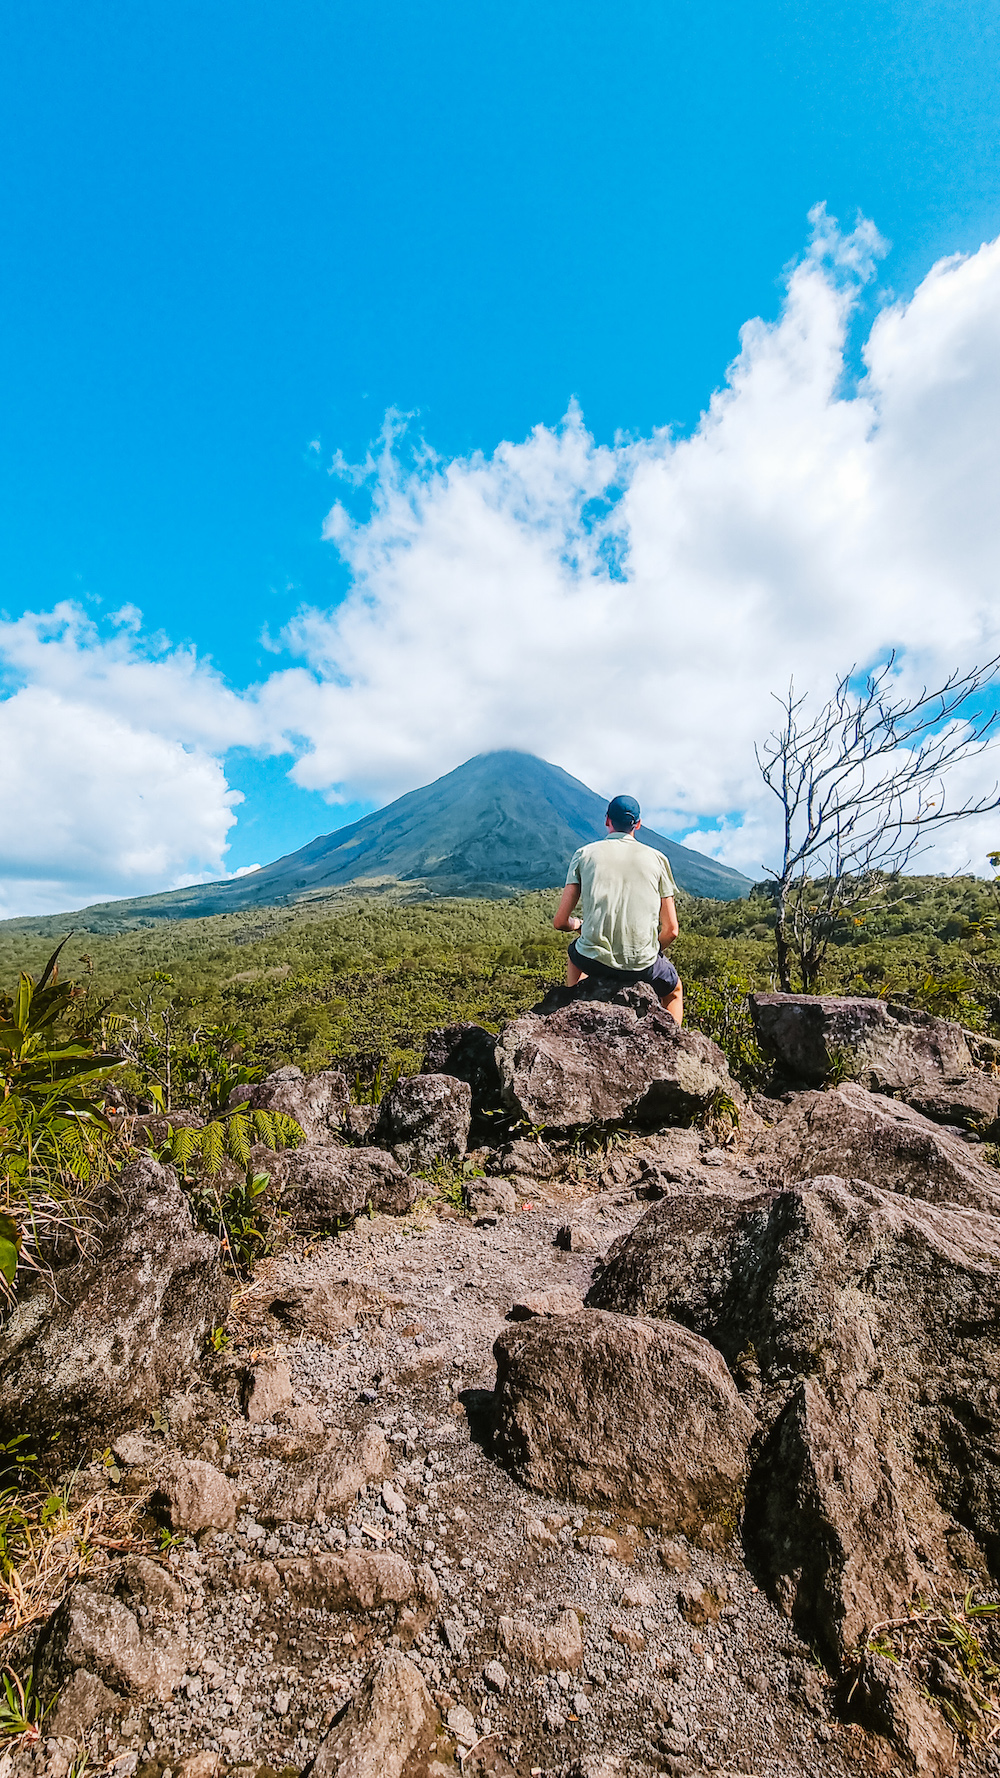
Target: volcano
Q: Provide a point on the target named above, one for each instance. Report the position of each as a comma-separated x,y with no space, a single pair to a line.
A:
500,824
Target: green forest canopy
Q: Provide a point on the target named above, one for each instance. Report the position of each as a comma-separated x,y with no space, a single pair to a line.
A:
353,979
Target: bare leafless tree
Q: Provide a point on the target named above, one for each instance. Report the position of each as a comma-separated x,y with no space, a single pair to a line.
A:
860,784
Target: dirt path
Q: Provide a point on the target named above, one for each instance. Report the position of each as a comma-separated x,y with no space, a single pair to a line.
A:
686,1666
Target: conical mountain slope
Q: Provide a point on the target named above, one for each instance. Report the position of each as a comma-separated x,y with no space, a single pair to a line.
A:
501,823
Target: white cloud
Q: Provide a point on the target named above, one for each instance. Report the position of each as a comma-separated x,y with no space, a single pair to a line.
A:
802,527
623,611
95,807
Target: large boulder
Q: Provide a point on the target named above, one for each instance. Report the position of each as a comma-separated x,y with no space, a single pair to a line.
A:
425,1118
598,1061
847,1130
322,1186
316,1101
467,1052
611,1411
867,1327
127,1324
886,1048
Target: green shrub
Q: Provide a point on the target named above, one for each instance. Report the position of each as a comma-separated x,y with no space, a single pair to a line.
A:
54,1138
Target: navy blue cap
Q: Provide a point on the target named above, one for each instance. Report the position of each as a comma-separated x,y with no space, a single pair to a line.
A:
623,813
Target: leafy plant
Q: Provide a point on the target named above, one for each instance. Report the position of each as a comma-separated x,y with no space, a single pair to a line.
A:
21,1711
721,1115
18,1462
449,1179
245,1220
49,1127
841,1064
952,1655
719,1008
233,1138
380,1079
54,1138
11,1240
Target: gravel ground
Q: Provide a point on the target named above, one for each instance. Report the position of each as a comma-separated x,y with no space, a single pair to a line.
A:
686,1665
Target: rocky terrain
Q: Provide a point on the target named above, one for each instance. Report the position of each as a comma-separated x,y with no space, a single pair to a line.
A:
672,1448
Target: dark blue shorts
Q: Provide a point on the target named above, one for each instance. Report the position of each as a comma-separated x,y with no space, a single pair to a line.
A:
661,974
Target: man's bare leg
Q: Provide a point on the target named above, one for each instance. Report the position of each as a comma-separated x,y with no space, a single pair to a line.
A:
674,1004
573,975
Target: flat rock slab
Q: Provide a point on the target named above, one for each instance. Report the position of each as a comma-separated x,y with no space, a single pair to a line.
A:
851,1132
324,1485
549,1648
600,1061
607,1409
359,1580
324,1308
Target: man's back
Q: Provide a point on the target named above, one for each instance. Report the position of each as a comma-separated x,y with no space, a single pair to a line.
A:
621,886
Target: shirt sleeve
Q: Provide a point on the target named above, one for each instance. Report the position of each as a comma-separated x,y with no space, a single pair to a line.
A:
573,874
667,884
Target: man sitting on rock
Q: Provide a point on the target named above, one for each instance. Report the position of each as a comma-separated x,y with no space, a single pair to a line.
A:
626,892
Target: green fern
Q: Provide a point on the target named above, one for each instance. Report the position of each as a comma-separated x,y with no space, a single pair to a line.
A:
287,1133
183,1144
213,1148
266,1127
239,1140
205,1151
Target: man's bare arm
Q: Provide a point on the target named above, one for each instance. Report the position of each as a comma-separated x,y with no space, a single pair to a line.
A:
564,920
669,927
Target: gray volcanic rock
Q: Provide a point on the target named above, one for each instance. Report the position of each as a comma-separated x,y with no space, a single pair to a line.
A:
849,1131
92,1632
598,1061
871,1323
824,1520
893,1706
195,1496
326,1483
890,1049
316,1101
128,1324
466,1052
887,1048
605,1409
360,1580
972,1103
425,1118
391,1720
323,1186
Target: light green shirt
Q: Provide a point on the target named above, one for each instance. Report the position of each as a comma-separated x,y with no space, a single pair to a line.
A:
622,883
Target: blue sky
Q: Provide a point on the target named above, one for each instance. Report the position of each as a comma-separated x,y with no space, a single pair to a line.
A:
236,235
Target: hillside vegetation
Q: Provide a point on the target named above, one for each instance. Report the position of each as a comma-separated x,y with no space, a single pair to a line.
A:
358,981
